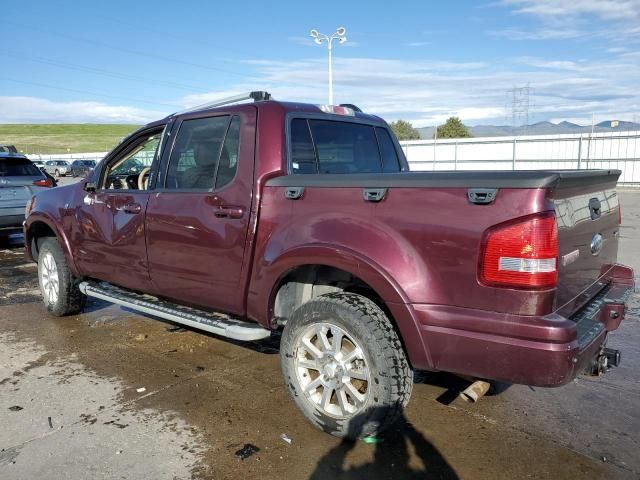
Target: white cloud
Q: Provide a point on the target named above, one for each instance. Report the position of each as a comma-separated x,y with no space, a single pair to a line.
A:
427,92
613,20
17,109
424,92
606,9
539,34
418,44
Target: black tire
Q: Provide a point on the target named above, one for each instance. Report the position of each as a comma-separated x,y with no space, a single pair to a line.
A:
57,173
391,378
69,299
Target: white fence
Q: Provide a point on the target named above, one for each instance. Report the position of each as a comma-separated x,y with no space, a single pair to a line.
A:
578,151
97,156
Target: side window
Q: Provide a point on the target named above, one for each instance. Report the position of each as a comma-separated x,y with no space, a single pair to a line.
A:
303,155
390,163
229,155
131,170
196,152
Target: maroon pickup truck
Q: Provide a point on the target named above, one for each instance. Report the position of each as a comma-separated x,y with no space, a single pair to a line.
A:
243,217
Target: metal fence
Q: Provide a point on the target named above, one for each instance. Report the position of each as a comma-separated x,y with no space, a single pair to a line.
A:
578,151
97,156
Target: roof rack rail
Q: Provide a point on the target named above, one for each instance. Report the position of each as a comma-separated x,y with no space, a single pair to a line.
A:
257,96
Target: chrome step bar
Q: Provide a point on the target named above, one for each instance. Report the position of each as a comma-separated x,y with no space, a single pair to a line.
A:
218,323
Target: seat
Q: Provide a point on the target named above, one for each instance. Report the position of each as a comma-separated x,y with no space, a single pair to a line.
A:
201,176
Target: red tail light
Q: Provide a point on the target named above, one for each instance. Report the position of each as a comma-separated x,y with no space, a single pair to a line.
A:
522,254
45,182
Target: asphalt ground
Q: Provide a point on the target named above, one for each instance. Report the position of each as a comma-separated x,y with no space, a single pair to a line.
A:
113,394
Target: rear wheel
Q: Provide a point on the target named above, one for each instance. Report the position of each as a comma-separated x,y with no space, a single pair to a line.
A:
60,292
345,366
57,173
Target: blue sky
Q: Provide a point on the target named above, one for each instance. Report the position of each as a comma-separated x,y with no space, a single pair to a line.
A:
135,61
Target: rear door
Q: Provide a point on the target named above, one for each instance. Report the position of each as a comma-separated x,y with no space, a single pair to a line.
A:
197,219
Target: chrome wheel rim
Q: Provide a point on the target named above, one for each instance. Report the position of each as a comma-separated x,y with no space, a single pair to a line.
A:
332,370
49,281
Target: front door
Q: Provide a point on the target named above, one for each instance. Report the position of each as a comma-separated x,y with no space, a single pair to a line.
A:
112,244
197,219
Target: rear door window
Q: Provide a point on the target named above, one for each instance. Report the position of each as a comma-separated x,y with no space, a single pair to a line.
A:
331,146
205,154
18,167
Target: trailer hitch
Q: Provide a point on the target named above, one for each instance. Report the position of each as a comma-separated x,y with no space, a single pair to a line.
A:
605,359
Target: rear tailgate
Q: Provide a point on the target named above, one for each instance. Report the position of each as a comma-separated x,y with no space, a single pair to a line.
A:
15,193
587,212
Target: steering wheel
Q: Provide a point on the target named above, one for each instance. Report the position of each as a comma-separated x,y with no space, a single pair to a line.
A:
142,181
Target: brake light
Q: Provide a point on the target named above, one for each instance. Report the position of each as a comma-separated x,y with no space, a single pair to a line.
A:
45,182
337,110
522,254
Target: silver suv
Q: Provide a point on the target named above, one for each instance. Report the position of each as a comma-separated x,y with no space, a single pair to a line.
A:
58,168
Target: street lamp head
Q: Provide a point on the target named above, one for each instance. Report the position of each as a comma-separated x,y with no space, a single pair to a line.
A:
318,41
341,31
314,33
342,39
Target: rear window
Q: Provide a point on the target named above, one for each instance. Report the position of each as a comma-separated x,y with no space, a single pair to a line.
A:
330,146
18,167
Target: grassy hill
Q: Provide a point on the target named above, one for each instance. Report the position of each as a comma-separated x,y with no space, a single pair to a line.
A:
63,138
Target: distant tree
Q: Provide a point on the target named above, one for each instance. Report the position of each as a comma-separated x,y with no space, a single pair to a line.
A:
453,128
404,130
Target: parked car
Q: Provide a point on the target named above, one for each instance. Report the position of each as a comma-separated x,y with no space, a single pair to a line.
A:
38,163
259,216
58,168
80,168
19,181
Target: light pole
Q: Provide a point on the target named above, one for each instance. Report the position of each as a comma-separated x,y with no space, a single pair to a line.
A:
321,37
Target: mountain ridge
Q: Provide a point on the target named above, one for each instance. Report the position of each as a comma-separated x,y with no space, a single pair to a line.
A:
541,128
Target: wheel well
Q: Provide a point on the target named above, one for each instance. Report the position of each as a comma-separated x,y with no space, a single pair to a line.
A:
38,231
310,281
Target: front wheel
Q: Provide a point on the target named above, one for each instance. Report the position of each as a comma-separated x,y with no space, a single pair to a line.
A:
345,366
60,292
57,173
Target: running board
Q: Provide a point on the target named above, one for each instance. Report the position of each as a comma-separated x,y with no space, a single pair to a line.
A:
218,323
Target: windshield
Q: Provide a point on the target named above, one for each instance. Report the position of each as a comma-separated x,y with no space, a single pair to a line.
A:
17,167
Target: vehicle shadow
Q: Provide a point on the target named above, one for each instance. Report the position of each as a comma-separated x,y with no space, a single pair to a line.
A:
397,453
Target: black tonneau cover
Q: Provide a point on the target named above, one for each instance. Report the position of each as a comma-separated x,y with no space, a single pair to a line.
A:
454,179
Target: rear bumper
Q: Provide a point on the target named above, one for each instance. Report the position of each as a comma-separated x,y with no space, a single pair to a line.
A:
548,350
12,219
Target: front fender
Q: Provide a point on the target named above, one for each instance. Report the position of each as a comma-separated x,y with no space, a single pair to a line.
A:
43,217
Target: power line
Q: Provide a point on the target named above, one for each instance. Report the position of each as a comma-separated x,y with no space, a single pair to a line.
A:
518,103
85,92
128,50
103,72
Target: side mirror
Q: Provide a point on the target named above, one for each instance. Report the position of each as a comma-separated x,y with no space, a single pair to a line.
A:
90,187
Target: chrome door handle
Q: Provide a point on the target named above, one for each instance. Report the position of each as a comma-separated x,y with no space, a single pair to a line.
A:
226,211
132,208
